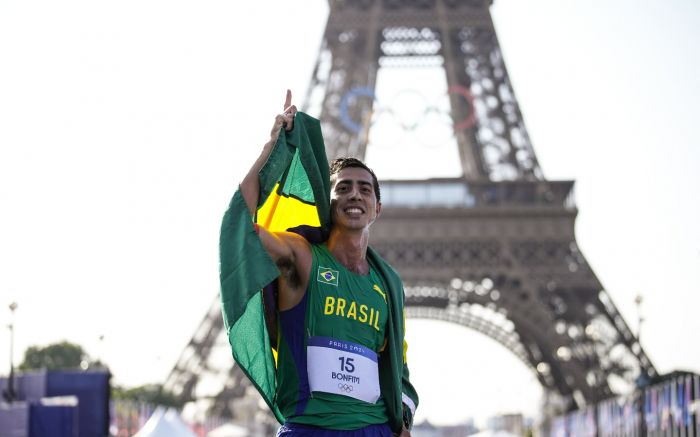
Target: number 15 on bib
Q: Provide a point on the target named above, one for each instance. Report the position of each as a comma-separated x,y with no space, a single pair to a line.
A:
342,367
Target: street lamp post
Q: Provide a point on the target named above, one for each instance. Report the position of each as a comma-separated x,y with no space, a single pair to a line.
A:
640,318
9,393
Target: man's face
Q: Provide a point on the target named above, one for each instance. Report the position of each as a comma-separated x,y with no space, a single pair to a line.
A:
353,201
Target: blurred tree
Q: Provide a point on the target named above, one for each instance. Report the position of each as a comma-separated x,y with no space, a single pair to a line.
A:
149,393
63,355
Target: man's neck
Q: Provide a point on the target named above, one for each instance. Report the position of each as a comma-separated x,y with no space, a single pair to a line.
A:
350,249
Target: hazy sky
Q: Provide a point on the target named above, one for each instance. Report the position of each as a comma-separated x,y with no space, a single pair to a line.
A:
125,127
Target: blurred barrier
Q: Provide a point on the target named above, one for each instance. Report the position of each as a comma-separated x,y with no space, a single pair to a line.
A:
45,394
47,417
669,408
128,417
14,419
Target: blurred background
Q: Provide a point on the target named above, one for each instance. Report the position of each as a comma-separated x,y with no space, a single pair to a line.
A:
126,127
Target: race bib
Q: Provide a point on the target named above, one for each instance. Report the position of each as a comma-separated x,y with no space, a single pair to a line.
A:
344,368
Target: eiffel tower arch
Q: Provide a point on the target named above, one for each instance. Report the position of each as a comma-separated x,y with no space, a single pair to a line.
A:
493,250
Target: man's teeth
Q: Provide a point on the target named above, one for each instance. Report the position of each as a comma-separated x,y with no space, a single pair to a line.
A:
354,210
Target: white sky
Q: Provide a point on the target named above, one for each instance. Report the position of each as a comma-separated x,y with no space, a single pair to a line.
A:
124,128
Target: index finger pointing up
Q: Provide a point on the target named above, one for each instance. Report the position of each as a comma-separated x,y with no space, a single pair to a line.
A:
287,100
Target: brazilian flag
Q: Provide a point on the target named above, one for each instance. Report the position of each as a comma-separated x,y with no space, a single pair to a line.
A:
294,196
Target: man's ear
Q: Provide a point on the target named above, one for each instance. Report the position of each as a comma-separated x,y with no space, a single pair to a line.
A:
379,209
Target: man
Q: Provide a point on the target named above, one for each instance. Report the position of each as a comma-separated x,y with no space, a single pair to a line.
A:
339,307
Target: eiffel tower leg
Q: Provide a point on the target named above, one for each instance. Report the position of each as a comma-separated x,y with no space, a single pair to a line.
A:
514,272
186,373
495,145
347,73
201,363
461,98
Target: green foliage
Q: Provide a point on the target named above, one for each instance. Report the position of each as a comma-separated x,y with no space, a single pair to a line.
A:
70,356
149,393
64,355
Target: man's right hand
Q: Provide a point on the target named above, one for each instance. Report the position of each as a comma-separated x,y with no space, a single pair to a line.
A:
285,119
250,186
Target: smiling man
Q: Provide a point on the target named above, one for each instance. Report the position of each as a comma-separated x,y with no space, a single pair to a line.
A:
340,364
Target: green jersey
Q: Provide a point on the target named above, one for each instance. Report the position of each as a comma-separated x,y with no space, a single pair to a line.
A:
328,346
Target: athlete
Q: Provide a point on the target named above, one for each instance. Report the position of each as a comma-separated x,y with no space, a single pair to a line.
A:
333,309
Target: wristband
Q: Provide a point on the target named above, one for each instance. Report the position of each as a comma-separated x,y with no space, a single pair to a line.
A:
407,419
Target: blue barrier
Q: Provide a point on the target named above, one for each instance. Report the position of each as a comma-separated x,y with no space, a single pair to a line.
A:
670,407
53,421
91,389
14,419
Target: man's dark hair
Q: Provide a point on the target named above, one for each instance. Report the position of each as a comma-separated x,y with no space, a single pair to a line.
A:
339,164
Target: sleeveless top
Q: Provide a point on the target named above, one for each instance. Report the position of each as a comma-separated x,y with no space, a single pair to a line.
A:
328,345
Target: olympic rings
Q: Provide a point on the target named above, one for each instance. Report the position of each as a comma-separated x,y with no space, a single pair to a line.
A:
347,388
356,127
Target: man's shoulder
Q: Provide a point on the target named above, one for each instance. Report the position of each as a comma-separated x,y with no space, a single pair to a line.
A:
294,238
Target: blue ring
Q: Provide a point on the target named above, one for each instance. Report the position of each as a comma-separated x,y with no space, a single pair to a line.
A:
345,103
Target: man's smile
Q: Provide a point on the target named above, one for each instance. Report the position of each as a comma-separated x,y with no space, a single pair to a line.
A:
352,210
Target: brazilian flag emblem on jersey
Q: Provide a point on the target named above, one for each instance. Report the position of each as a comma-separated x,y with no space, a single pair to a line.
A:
327,276
294,196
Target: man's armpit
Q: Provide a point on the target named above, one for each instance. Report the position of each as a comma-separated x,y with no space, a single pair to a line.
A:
289,272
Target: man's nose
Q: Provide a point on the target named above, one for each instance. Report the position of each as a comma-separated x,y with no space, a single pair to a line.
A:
354,192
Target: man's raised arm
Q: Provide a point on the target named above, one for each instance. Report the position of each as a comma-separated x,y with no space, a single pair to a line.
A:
250,186
290,251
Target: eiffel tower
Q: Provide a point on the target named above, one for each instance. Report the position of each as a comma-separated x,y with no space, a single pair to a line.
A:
493,250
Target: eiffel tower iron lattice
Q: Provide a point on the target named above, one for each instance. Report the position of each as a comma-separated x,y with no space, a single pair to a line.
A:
493,250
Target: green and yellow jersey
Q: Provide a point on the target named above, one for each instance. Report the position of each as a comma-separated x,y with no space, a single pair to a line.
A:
328,346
